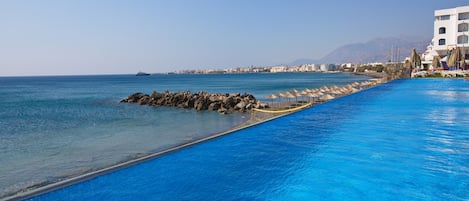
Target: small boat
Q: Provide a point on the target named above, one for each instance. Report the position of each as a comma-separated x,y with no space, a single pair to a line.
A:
140,73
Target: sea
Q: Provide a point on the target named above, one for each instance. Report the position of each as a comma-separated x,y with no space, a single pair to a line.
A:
402,140
57,127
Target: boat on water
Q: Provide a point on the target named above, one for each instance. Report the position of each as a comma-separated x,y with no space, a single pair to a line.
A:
140,73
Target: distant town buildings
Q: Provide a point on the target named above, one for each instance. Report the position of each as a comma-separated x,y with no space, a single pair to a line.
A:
271,69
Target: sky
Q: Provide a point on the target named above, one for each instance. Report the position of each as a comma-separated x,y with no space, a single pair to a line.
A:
82,37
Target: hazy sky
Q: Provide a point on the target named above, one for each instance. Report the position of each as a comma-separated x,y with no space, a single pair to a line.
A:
43,37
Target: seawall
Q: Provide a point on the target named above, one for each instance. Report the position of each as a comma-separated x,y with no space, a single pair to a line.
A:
223,103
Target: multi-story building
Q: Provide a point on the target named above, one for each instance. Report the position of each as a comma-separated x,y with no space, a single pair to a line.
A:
451,30
328,67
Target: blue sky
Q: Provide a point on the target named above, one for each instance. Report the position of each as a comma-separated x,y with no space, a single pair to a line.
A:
124,36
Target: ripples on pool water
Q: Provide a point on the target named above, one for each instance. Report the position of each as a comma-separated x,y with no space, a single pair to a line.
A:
404,140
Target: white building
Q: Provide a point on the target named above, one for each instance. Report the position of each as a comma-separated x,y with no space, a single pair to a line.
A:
451,30
328,67
278,69
316,67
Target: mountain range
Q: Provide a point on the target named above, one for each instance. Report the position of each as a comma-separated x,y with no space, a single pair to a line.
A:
376,50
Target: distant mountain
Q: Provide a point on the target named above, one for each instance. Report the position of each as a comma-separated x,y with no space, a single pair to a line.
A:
303,61
376,50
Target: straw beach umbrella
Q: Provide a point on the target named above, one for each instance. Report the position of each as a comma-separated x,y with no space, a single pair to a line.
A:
282,95
295,93
272,97
462,60
436,63
304,93
288,95
326,97
454,57
313,96
451,60
463,63
415,59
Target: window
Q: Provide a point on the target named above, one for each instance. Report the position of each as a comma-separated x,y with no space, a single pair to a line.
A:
462,27
444,17
442,30
463,16
462,39
442,42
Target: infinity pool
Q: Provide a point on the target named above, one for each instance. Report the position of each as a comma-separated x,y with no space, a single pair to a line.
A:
403,140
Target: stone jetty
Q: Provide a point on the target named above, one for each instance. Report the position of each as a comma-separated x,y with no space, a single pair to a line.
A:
223,103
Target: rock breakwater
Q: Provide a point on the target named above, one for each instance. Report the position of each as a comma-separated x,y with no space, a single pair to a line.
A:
223,103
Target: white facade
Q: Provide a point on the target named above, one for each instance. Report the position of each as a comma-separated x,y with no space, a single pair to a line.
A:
451,30
278,69
316,67
328,67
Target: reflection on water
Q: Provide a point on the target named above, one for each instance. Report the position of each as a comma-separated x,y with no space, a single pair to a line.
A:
449,95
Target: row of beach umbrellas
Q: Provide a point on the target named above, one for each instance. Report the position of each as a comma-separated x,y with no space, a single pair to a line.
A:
454,57
324,93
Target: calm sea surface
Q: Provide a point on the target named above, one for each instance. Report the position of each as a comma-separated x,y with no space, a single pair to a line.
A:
403,140
56,127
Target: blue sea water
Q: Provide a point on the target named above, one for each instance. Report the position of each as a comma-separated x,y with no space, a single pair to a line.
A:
61,126
403,140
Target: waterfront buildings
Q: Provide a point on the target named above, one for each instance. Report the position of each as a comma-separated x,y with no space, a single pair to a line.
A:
271,69
450,31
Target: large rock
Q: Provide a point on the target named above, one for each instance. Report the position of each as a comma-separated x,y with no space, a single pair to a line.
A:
133,98
223,103
229,102
240,106
214,106
144,100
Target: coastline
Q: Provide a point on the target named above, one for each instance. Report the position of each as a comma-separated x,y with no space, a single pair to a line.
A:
255,118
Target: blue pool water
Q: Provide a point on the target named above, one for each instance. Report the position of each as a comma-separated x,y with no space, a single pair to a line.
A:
403,140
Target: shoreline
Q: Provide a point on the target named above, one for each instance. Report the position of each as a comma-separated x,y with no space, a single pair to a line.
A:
255,118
